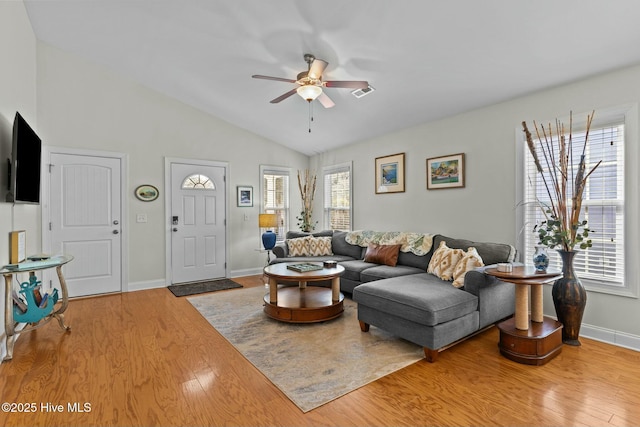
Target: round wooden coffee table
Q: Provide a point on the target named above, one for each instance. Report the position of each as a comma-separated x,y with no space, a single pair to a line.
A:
302,304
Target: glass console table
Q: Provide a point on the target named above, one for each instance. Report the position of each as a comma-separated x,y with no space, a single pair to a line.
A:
31,307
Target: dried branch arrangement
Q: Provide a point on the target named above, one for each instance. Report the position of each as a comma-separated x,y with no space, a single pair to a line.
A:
562,226
307,186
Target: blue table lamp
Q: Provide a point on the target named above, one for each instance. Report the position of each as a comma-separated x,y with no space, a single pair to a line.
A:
268,237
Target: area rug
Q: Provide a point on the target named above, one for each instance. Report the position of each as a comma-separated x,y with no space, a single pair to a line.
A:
203,287
311,363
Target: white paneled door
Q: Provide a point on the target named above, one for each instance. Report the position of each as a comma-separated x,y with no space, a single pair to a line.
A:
85,221
198,231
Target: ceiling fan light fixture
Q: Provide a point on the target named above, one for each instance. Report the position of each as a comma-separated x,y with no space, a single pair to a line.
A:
309,92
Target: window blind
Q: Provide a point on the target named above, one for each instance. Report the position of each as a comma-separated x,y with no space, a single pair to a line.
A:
337,197
276,198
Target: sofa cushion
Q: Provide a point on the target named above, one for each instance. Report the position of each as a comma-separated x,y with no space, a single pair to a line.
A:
353,269
420,298
491,253
444,261
413,260
298,234
380,272
468,262
340,246
382,254
319,246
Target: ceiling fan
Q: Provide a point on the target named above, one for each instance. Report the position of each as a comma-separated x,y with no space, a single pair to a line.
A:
310,83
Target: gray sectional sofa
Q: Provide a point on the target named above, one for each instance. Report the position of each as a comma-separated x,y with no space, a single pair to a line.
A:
411,303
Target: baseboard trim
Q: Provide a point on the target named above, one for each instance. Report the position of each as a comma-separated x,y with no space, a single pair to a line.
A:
609,336
246,272
146,284
162,283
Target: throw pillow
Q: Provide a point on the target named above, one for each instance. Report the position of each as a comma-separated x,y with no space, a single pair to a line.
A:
382,254
319,246
298,247
469,261
444,261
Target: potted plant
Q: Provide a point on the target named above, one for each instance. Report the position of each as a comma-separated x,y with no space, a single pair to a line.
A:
563,227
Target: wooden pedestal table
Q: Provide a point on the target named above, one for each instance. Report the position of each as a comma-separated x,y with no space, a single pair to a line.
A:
535,342
302,304
35,316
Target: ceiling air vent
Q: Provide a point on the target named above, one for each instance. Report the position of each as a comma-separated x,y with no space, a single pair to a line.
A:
359,93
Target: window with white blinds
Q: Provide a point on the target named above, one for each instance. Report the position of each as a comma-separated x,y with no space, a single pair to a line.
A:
603,203
275,197
337,197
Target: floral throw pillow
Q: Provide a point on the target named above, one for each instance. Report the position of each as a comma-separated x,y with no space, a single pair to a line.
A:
444,261
319,246
298,246
468,262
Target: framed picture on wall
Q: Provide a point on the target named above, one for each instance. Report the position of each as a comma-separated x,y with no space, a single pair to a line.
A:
390,174
445,172
245,196
146,193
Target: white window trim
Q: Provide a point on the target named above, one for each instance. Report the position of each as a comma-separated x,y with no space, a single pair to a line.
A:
285,171
331,169
632,200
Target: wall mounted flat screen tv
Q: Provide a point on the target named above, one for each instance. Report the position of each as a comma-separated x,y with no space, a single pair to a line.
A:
24,170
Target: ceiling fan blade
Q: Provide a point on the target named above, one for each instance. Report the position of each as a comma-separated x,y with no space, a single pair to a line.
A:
284,96
325,100
279,79
348,84
317,67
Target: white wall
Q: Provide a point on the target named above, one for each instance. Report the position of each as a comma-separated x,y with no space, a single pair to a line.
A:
485,210
17,93
85,106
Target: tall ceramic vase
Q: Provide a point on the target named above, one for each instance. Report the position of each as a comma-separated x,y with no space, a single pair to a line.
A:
569,299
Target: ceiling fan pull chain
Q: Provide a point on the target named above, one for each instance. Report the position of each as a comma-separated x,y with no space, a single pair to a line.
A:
310,115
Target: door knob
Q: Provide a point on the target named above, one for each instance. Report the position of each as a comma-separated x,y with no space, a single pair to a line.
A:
116,232
175,229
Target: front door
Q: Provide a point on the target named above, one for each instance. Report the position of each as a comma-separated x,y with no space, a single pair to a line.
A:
85,221
198,229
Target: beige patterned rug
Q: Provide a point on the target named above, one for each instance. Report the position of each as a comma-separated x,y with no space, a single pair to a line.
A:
311,363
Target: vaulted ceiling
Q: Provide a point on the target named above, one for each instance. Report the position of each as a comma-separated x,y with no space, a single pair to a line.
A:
426,59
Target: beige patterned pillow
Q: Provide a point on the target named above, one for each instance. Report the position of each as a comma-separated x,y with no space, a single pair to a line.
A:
319,246
444,261
298,246
469,261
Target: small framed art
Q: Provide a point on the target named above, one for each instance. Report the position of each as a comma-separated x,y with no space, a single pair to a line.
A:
245,196
147,193
390,174
445,172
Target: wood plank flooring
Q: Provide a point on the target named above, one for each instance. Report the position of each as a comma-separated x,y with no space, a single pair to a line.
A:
148,358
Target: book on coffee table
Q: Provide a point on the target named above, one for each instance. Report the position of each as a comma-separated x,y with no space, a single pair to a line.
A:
304,267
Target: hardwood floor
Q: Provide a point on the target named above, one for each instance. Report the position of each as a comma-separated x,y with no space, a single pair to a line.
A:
148,358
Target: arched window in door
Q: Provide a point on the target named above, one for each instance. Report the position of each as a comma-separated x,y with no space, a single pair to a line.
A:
198,182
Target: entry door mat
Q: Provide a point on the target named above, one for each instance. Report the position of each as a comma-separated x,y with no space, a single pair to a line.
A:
203,287
312,364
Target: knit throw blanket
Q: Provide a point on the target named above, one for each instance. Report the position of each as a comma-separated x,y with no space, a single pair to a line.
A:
416,243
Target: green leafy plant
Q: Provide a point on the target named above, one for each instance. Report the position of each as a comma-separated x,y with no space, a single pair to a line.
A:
562,226
304,221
